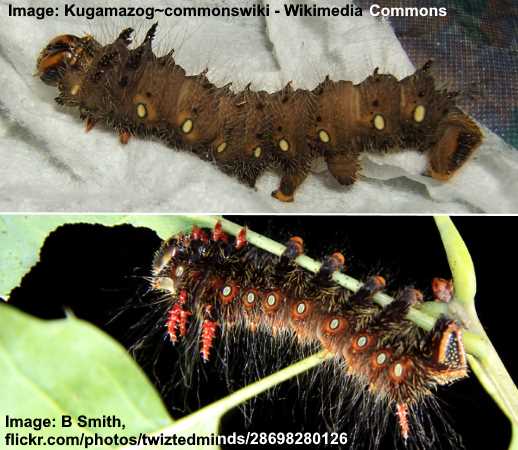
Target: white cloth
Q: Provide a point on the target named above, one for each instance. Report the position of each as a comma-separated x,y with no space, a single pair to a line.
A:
47,162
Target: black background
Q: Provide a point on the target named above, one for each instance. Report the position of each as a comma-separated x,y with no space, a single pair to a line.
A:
98,271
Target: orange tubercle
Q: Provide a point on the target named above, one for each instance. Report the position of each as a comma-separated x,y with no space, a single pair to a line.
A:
282,197
124,137
90,123
442,290
340,259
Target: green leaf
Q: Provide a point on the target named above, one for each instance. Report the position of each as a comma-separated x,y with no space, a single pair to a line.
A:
69,367
21,237
459,259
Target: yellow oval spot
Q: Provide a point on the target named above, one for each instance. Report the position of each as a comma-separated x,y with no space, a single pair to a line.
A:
324,136
257,152
75,89
221,147
187,126
284,145
141,110
379,122
419,113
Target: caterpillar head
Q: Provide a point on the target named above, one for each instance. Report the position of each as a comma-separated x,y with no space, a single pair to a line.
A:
61,54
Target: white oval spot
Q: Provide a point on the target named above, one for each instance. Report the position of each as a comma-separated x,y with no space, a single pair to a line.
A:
301,308
250,298
398,370
271,300
257,152
381,358
226,291
334,324
379,122
362,341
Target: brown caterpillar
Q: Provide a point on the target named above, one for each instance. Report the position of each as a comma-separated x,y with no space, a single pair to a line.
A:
215,286
245,133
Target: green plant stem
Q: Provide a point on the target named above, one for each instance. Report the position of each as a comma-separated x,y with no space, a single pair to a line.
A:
482,357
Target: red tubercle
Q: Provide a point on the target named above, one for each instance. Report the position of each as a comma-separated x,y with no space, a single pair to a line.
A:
197,234
182,297
241,239
184,321
173,320
402,415
218,234
208,333
178,318
442,290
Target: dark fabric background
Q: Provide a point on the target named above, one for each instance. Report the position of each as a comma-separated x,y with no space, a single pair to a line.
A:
475,49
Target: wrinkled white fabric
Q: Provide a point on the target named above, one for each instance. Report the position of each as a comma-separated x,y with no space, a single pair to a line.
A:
48,163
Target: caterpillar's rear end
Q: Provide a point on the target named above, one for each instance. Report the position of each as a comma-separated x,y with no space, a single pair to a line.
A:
246,133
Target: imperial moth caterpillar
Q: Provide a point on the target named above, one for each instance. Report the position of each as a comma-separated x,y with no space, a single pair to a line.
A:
109,266
246,133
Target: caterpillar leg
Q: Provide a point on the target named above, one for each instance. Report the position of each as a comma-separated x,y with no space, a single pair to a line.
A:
457,138
288,185
344,167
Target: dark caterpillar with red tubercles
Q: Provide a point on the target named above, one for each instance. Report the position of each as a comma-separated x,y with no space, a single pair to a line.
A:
215,286
245,133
